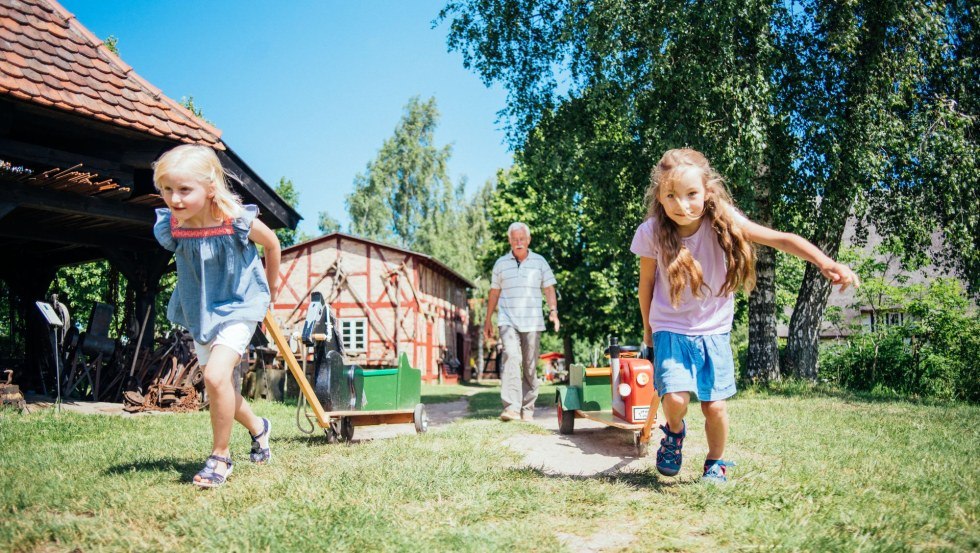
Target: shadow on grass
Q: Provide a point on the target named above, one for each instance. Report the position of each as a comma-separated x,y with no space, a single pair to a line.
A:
318,437
186,469
638,479
484,405
487,404
441,398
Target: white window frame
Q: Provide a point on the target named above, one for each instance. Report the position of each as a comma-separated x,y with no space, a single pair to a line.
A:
887,318
348,333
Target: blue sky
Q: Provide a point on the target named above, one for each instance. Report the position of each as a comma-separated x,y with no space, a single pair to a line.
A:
309,90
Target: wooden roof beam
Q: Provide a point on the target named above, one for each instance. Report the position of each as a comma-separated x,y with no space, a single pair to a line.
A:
73,204
78,237
22,151
282,215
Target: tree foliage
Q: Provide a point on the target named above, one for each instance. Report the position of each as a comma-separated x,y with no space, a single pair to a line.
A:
878,138
569,185
639,80
287,191
327,224
405,195
810,109
932,352
112,44
188,102
400,188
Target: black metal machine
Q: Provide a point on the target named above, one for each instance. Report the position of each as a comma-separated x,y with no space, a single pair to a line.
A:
333,381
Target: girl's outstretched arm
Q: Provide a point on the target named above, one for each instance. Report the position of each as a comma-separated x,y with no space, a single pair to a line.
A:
262,235
837,273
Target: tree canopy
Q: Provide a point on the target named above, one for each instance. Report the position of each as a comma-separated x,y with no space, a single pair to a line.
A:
327,224
813,110
287,191
405,195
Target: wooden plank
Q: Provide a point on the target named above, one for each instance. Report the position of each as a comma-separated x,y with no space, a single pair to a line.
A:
409,412
58,158
651,419
79,237
380,417
281,213
607,418
73,204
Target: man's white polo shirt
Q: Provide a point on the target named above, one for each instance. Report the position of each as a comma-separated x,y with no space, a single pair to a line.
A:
520,286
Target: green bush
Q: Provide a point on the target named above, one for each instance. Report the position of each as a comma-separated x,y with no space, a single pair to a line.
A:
934,354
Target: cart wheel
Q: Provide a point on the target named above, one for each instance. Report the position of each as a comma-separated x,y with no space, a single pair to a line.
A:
333,431
421,419
642,448
346,429
566,421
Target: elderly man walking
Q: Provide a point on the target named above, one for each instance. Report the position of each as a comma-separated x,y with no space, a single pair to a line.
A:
516,285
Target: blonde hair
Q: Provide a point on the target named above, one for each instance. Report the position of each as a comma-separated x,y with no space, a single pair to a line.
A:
682,269
202,164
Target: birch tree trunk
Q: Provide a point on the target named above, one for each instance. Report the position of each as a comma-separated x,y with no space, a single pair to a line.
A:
804,326
763,358
763,355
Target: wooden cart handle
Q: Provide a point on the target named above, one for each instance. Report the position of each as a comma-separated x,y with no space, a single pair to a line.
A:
304,385
651,418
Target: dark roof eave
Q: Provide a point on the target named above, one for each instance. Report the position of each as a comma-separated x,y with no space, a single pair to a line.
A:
281,213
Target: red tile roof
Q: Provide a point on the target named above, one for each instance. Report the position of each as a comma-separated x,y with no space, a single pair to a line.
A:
47,57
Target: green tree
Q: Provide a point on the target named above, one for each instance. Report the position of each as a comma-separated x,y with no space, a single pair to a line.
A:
800,105
287,191
642,79
405,196
327,224
879,79
80,287
399,189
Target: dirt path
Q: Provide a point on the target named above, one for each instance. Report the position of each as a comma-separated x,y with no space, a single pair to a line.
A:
37,403
440,414
593,449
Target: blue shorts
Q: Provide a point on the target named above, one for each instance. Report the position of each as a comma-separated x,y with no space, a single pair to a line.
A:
700,364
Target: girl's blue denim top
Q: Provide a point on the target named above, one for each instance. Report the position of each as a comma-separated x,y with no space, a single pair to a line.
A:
220,277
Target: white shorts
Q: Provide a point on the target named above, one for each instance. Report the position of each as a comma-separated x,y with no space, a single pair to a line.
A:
235,335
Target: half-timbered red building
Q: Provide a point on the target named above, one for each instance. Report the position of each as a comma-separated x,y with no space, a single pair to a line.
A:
388,301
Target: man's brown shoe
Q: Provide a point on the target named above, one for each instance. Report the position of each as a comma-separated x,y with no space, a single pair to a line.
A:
509,416
527,415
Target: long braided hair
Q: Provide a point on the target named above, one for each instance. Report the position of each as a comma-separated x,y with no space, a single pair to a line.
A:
683,271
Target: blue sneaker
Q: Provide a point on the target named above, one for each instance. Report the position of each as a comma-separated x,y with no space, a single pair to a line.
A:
669,455
715,471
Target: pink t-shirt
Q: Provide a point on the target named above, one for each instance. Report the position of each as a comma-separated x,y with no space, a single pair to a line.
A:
692,316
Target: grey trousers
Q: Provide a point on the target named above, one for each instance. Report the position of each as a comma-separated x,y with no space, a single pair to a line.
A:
519,376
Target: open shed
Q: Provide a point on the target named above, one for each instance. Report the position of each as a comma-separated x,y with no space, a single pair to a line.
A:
79,129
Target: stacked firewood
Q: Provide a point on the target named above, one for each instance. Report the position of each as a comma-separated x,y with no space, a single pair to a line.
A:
168,378
10,393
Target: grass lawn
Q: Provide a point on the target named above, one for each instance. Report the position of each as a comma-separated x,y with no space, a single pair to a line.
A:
815,473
